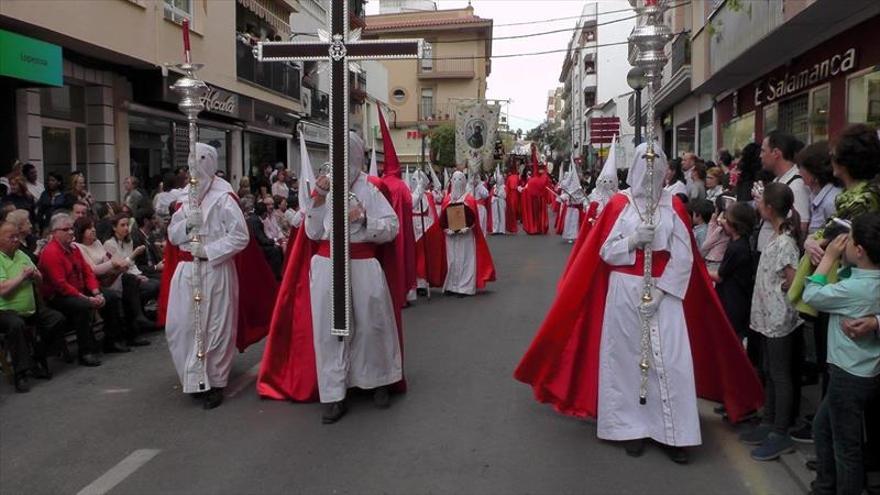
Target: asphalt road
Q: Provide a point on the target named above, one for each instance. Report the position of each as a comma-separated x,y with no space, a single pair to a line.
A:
464,427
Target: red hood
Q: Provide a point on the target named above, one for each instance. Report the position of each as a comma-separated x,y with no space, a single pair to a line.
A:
392,164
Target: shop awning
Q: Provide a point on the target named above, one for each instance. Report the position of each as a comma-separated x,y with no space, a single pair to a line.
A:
271,12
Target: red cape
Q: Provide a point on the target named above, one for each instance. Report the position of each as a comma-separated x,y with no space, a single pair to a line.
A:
402,272
587,222
431,248
562,362
256,291
535,219
512,210
288,370
485,265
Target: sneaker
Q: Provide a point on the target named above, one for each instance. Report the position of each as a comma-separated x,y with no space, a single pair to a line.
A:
804,434
775,445
756,435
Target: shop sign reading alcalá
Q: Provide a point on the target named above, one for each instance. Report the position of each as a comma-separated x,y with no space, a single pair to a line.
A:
218,101
775,88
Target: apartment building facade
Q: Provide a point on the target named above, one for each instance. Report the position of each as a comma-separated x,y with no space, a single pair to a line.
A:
422,94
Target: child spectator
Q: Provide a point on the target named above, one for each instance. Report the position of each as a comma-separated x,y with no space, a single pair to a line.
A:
734,279
853,357
701,213
714,183
776,320
715,245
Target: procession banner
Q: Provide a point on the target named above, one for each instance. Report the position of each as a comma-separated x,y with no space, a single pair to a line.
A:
475,126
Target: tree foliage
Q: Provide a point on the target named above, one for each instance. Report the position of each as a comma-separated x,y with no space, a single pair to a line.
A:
443,145
549,135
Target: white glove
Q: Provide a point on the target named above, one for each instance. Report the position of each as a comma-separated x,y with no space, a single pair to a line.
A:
643,236
464,230
648,310
449,231
197,249
194,221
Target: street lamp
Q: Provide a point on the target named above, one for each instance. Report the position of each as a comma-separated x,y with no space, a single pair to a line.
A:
637,80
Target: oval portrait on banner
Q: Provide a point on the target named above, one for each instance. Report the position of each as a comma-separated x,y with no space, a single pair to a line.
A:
475,133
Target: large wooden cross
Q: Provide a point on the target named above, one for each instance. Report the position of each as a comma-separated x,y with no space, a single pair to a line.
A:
339,47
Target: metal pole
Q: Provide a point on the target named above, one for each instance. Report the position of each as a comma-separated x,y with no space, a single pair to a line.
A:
638,117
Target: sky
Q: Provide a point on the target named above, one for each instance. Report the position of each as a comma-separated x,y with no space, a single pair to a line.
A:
526,80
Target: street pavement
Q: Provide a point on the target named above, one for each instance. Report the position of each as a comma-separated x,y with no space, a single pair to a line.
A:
465,426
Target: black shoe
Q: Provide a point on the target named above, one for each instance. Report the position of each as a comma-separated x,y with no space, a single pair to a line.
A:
677,454
21,383
137,342
382,398
65,354
720,410
333,412
144,323
422,292
115,347
89,360
811,465
213,398
804,434
635,448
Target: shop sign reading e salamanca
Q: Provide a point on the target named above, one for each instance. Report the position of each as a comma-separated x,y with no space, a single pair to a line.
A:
772,89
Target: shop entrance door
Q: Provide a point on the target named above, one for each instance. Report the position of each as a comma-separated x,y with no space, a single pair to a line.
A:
64,149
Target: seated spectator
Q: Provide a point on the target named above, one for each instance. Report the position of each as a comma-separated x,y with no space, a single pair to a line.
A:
27,240
244,187
20,197
80,210
19,309
150,261
853,357
70,286
271,250
115,282
78,190
135,198
104,213
163,199
137,288
279,187
51,201
270,220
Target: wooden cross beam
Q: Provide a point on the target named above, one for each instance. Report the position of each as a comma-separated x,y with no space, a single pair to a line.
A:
339,47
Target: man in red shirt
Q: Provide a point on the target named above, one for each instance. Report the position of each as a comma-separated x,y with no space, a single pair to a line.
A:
70,286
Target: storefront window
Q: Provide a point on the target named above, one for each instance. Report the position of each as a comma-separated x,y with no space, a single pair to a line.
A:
819,101
685,137
65,103
739,132
794,117
263,150
863,99
706,148
771,118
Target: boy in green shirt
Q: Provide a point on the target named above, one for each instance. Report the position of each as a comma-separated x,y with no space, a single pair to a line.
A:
853,361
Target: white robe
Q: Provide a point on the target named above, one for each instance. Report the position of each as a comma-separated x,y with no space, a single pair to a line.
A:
224,234
371,356
670,415
421,215
461,262
480,194
499,210
571,224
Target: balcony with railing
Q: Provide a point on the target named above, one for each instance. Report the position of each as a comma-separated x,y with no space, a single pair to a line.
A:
357,14
446,68
436,112
320,105
681,52
280,77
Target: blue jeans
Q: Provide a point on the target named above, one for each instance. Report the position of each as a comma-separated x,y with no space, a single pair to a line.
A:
837,430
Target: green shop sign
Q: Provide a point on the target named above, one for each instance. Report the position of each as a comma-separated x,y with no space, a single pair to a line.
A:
30,60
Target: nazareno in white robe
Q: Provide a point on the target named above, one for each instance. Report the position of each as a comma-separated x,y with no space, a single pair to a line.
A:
461,261
481,194
670,415
224,234
370,357
571,224
422,221
499,210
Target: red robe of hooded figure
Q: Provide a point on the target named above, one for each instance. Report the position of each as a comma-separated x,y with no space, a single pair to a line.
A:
402,273
257,287
288,370
469,265
513,199
535,199
430,241
562,365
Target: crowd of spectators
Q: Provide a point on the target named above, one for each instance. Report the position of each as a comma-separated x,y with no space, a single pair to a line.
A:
79,272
